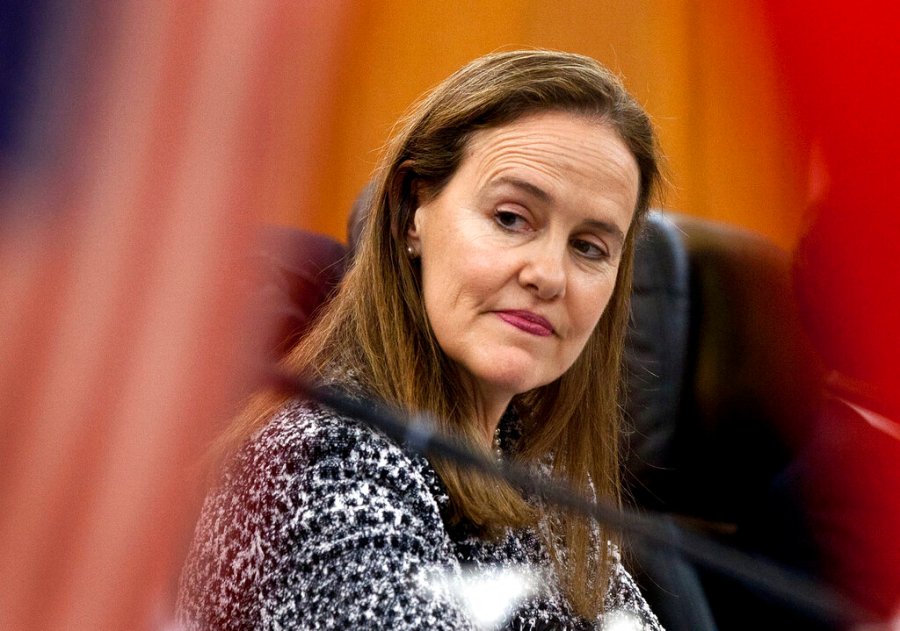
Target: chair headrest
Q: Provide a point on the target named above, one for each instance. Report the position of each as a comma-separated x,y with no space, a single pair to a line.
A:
299,272
655,352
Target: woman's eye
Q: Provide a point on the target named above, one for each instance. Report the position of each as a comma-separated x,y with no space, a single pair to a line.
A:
588,250
509,220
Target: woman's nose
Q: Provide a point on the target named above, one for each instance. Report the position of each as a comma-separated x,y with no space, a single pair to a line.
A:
544,273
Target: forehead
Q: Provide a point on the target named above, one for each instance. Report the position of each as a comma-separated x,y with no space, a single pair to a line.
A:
576,130
561,153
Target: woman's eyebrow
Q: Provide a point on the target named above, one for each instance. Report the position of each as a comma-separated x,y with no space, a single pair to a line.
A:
607,227
525,186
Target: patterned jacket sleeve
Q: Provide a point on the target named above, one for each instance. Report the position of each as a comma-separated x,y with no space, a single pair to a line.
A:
625,603
322,524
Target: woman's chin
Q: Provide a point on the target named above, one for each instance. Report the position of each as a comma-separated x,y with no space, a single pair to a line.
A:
507,379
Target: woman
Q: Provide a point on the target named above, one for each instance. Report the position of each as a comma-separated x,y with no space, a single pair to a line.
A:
489,290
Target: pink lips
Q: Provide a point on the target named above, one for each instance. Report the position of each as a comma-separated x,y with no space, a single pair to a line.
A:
528,322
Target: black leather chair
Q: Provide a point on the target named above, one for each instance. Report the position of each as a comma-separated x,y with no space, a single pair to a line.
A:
722,385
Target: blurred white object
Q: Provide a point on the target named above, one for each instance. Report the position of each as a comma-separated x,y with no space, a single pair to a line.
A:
618,620
490,595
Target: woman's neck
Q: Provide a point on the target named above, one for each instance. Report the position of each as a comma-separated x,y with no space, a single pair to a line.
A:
489,405
489,411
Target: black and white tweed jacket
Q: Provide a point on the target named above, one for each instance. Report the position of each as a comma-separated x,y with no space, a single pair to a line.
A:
322,523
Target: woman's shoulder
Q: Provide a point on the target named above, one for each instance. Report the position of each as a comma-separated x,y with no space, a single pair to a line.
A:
303,424
310,449
306,433
310,490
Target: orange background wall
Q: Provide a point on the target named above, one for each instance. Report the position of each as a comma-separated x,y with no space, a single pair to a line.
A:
706,74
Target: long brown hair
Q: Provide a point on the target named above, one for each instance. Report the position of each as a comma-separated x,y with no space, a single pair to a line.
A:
376,328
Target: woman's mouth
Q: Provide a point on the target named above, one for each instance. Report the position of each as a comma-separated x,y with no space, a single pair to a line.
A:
528,322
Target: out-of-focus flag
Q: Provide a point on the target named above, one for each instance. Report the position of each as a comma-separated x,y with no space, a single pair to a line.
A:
140,144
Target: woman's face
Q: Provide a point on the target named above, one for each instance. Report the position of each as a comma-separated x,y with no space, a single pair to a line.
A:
520,250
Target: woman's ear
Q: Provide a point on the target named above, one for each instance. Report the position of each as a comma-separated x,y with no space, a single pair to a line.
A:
401,192
408,193
413,233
